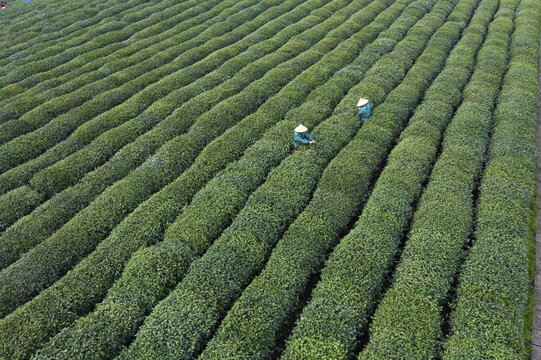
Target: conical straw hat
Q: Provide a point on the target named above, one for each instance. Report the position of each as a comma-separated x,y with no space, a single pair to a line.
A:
362,102
301,128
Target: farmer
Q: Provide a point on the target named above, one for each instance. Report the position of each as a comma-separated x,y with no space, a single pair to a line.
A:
364,109
3,5
301,136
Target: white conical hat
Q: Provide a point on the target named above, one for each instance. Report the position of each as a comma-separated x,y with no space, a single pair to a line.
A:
362,102
301,128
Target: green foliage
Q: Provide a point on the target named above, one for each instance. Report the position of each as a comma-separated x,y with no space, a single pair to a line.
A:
69,171
118,199
241,249
492,292
76,39
408,320
121,198
274,294
56,177
178,303
23,173
131,122
352,280
101,97
15,204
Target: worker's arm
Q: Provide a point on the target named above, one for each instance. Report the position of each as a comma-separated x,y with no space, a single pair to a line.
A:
308,136
301,138
369,110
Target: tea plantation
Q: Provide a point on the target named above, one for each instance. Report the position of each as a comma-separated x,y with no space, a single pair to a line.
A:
151,208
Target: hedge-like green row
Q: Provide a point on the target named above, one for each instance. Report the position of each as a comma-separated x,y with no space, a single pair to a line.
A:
95,39
54,38
79,236
233,78
160,168
70,170
130,85
344,298
408,321
17,203
89,67
22,174
11,94
96,332
18,52
487,320
217,278
36,21
274,294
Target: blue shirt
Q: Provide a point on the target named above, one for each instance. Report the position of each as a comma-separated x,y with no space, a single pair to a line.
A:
301,138
364,112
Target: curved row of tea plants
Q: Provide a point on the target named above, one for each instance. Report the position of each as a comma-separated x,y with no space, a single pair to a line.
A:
125,93
96,332
217,278
492,291
408,319
227,80
357,269
162,168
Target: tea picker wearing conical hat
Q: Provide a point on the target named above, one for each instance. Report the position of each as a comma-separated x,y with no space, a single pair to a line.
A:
301,136
364,109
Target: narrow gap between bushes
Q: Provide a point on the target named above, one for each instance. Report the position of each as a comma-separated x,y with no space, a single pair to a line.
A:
314,279
451,295
388,280
220,319
292,318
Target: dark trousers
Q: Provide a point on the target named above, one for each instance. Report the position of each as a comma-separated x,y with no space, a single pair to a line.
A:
292,149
